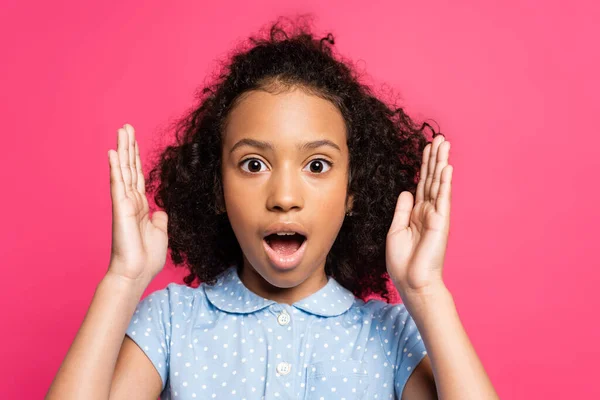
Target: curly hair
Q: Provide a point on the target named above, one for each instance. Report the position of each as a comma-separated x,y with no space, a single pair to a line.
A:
385,152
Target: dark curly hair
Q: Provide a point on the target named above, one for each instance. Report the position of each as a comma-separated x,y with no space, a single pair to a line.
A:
384,143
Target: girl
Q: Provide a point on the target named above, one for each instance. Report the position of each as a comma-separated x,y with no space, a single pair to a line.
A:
290,196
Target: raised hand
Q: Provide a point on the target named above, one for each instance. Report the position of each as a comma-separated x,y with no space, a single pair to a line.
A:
139,243
418,236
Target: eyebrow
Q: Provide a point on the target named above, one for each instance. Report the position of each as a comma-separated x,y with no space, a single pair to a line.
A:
269,146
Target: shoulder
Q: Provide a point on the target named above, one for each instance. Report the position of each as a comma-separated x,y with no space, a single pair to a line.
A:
176,300
401,342
172,292
387,319
380,311
394,324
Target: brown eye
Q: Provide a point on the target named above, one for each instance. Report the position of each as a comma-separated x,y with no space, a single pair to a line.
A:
253,164
317,165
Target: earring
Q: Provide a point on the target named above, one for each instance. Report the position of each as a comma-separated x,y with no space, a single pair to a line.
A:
349,213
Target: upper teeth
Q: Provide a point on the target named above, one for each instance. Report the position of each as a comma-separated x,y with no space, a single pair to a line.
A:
286,233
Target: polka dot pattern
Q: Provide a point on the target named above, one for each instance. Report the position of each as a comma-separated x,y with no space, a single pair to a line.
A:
224,341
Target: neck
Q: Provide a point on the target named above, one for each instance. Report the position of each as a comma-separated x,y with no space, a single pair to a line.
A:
256,283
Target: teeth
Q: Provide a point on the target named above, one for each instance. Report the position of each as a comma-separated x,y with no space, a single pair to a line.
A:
285,233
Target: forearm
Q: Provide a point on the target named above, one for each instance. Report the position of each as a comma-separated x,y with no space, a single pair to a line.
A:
456,367
87,370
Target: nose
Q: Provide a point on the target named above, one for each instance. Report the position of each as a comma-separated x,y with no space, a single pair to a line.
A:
285,190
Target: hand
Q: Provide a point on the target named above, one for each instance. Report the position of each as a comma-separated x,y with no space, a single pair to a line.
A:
417,239
139,245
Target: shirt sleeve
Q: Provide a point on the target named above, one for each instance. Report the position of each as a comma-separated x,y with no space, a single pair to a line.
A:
150,328
404,347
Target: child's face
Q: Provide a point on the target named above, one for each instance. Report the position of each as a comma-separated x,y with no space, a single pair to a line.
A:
285,184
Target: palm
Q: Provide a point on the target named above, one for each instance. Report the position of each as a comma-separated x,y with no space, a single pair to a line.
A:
144,237
417,239
139,246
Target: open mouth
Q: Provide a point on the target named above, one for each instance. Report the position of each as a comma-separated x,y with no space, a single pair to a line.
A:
285,244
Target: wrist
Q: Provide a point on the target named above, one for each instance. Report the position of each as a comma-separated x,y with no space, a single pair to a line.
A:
124,284
422,299
430,290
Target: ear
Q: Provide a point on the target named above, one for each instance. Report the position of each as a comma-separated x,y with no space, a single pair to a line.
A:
220,207
349,202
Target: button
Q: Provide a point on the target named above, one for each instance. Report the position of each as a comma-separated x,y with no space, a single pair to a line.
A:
283,318
284,368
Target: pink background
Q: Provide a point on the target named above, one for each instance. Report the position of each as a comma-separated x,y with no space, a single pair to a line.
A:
513,84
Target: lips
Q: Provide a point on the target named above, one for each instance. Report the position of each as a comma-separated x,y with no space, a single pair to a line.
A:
284,258
285,245
285,227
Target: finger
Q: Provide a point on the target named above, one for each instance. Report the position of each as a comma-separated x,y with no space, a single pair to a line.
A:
124,158
420,193
131,147
141,184
117,186
431,166
442,161
444,198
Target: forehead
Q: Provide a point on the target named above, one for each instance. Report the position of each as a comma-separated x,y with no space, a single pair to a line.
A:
290,116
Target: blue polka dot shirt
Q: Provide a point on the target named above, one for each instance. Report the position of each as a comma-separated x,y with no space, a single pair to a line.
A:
226,342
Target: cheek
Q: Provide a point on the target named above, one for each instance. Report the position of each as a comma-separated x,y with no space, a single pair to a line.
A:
329,212
230,197
241,201
330,200
241,223
234,191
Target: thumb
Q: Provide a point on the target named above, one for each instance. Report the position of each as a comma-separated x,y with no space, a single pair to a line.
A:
160,220
402,213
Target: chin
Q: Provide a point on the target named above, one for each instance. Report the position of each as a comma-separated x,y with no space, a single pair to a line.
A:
282,279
